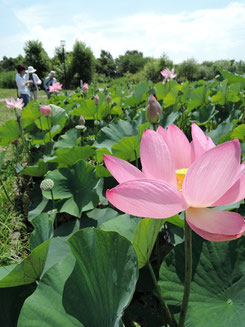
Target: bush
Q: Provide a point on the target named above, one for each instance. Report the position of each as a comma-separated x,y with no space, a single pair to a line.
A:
7,80
188,70
134,78
151,70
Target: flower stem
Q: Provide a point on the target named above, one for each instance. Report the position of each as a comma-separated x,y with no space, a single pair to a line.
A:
188,274
155,125
170,318
158,252
22,133
49,128
40,123
136,159
52,196
5,191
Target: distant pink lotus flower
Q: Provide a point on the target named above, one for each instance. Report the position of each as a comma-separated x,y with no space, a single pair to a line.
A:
55,87
45,110
85,87
168,74
96,99
12,103
108,98
181,176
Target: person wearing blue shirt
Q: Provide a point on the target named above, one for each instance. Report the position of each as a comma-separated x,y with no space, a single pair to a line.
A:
48,82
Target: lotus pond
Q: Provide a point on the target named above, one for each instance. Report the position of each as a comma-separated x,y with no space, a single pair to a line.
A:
135,206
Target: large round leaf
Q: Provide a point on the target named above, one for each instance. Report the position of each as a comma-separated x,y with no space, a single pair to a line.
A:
218,283
68,140
92,290
11,301
103,280
44,307
124,225
145,236
26,272
9,132
70,156
77,184
108,136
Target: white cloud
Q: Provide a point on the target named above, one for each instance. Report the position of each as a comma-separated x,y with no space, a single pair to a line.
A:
203,34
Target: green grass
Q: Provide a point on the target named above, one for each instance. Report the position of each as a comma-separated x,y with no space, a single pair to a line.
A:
6,113
7,93
13,231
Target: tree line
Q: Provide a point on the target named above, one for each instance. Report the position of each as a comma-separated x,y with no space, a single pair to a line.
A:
81,64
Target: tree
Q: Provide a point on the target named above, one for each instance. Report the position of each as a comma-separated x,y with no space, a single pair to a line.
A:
188,69
165,62
9,64
106,64
132,61
153,67
82,64
61,63
36,56
151,70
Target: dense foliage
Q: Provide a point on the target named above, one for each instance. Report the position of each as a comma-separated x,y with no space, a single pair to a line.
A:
37,57
81,64
91,265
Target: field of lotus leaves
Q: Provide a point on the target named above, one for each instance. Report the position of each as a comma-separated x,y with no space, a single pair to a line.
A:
136,206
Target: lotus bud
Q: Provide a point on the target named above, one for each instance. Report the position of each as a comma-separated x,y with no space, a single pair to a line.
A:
96,99
153,110
96,123
47,185
108,98
82,121
45,110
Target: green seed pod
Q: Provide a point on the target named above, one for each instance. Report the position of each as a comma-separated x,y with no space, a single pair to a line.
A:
81,127
47,185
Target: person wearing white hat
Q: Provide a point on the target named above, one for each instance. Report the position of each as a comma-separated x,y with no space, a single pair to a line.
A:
31,76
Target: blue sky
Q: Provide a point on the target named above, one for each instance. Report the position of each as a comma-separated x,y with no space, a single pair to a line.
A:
205,30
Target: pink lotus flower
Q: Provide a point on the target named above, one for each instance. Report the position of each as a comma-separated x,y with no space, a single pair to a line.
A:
96,99
168,74
45,110
55,87
12,103
108,98
153,111
85,87
181,176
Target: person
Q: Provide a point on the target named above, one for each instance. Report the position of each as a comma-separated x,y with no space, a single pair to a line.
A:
48,82
31,76
22,84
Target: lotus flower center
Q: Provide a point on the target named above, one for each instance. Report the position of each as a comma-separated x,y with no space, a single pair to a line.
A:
180,176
